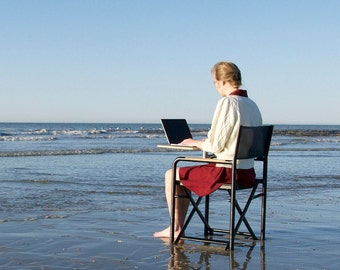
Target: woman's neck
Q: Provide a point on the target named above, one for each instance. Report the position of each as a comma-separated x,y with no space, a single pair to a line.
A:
228,90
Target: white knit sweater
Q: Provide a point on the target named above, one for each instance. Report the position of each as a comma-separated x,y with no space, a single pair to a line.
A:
231,112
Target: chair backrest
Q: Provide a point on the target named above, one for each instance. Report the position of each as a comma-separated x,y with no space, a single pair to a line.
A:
253,142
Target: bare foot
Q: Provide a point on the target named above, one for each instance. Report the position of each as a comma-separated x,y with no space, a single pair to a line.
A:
166,233
163,234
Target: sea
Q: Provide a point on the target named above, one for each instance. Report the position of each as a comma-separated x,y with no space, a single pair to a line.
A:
108,178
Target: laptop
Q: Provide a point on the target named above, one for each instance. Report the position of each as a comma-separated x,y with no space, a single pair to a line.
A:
176,130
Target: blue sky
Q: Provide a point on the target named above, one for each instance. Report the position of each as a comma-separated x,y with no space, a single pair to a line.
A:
142,60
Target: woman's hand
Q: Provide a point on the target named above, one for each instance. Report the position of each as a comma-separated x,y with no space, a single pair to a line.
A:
192,142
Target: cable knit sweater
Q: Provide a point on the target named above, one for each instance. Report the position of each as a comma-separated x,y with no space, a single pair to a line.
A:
231,112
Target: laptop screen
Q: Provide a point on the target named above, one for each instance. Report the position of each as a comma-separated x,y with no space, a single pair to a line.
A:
176,130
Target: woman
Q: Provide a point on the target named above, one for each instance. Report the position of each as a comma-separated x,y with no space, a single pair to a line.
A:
232,110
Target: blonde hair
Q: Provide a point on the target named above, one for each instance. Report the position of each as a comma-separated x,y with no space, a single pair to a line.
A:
227,72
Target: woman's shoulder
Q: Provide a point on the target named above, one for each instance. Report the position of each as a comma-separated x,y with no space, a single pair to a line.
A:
228,100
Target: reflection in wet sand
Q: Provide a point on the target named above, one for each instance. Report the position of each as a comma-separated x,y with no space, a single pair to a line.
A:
197,256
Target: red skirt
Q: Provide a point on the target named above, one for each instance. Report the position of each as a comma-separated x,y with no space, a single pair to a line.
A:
207,178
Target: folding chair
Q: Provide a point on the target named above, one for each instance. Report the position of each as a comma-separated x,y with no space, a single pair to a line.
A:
252,142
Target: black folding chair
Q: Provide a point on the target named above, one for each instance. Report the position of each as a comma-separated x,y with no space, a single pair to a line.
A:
252,142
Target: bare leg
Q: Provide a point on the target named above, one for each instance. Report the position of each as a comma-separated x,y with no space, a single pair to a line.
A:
181,206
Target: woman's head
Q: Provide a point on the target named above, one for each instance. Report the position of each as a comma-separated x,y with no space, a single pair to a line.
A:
227,72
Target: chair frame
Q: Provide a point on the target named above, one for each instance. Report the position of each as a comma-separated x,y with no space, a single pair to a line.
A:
245,149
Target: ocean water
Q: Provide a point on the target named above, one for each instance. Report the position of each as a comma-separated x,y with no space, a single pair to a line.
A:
108,179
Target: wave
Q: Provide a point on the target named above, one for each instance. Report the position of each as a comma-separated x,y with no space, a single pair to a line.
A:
68,152
107,134
307,133
279,130
27,138
99,151
308,149
49,135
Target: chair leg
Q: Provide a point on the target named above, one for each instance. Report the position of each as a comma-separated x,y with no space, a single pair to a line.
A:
188,219
263,212
243,212
172,215
207,229
232,232
194,210
244,220
264,199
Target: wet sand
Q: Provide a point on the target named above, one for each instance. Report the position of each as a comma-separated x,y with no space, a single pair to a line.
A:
302,233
